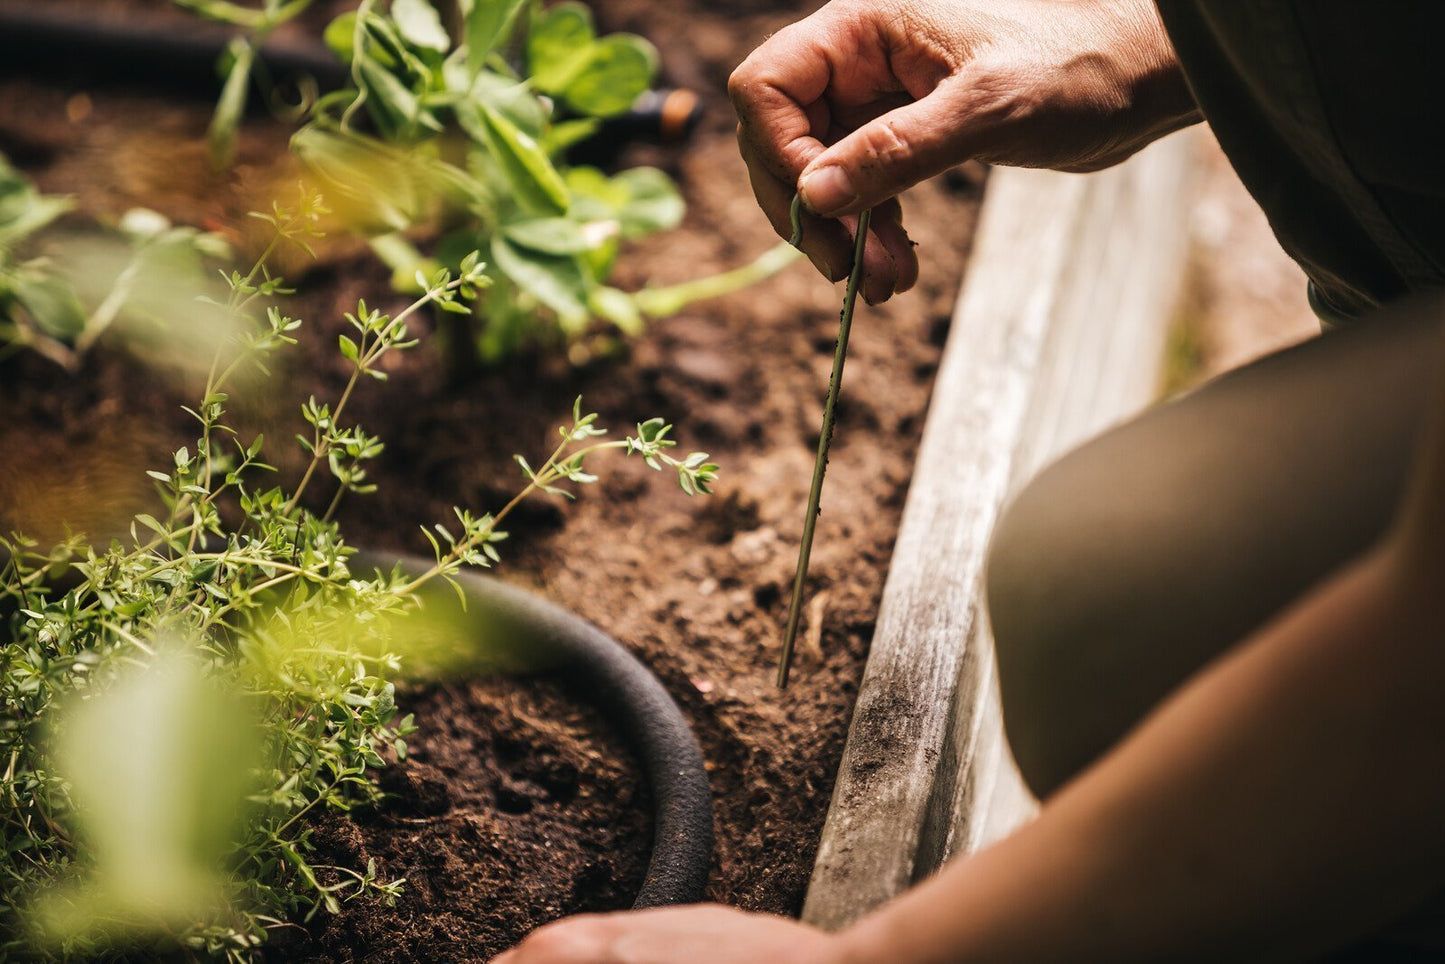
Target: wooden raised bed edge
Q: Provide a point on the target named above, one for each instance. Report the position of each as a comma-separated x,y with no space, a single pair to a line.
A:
1059,332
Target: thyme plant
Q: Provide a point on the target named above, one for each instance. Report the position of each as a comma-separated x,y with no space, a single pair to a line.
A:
177,706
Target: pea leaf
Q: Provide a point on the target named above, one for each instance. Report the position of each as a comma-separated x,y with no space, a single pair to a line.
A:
50,302
559,46
619,68
535,183
653,202
556,281
396,110
24,211
420,24
513,100
618,307
548,235
340,36
487,24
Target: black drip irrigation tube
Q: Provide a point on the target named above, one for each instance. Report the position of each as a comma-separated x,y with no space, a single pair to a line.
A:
617,683
183,59
59,40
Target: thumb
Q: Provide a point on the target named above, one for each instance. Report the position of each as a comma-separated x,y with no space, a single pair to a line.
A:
892,152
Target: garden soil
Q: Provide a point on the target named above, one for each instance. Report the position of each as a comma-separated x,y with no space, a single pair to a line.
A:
518,804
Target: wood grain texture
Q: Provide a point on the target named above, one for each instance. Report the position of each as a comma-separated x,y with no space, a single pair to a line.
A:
1059,331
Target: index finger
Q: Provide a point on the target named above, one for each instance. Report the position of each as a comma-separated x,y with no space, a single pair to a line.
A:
777,93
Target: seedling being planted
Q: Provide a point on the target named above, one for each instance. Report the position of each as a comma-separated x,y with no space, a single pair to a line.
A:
825,436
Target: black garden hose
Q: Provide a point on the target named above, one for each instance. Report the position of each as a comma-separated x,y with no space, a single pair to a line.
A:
179,57
182,59
620,686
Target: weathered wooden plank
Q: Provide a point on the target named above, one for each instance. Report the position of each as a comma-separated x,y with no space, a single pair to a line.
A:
1058,331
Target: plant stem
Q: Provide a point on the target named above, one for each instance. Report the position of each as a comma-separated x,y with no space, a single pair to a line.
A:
365,360
660,302
825,439
543,477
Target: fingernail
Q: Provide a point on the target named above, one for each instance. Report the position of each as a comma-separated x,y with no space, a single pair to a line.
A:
826,190
823,267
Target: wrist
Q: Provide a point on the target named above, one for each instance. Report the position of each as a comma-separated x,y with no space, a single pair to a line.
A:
1151,68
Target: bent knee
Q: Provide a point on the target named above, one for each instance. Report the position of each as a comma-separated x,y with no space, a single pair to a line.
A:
1040,684
1081,610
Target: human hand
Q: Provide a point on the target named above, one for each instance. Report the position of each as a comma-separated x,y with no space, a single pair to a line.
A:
867,97
700,934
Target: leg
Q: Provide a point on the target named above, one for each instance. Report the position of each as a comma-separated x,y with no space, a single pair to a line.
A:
1135,559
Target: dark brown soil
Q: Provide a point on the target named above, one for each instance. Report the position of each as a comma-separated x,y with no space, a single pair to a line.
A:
516,806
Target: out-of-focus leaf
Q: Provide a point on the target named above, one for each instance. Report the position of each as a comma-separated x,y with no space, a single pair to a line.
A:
641,199
231,106
556,281
564,134
50,302
511,99
340,36
158,764
618,307
548,235
376,188
24,210
395,107
653,202
619,68
487,25
559,46
535,183
420,24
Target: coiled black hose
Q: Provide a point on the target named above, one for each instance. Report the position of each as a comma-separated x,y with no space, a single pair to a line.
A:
620,686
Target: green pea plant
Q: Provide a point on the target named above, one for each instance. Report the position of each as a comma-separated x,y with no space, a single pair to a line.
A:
122,280
177,707
463,138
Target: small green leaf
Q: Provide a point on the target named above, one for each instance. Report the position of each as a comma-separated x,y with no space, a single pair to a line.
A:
619,69
340,36
487,24
559,46
420,24
393,105
653,202
514,100
618,307
534,181
556,281
548,235
50,302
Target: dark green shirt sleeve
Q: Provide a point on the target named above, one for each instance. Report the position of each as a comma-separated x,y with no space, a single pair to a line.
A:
1333,113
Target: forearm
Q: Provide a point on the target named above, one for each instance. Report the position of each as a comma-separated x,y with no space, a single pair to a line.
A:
1288,799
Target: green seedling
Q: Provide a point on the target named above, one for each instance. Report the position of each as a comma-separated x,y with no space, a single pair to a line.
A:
825,436
464,139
